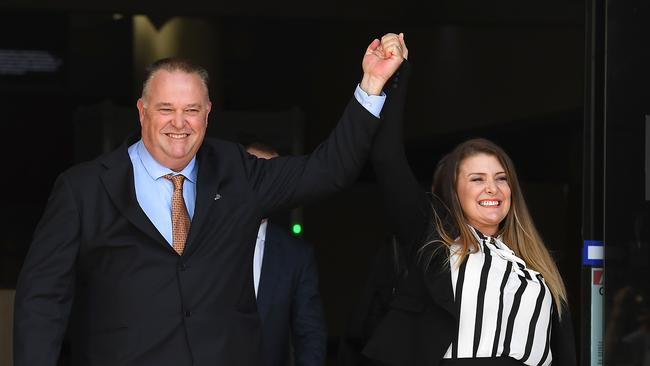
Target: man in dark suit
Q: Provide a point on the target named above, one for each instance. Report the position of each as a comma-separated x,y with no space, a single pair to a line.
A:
288,299
145,253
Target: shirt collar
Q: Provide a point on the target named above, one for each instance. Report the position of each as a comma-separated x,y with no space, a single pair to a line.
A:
157,170
497,246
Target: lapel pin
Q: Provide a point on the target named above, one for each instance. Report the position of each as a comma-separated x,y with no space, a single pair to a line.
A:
217,196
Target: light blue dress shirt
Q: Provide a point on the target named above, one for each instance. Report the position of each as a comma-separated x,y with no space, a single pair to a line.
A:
154,193
258,254
372,103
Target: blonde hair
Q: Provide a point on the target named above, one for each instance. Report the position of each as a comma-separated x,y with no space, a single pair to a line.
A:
517,228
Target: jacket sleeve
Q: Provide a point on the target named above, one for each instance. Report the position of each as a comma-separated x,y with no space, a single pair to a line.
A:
289,181
562,340
405,201
45,288
308,329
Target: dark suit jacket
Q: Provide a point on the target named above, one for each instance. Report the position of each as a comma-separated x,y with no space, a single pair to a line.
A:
422,320
136,302
289,302
386,271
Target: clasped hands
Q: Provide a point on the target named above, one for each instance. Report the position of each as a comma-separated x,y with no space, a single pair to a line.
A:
383,57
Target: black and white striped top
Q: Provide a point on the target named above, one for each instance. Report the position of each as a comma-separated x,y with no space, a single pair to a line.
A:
504,308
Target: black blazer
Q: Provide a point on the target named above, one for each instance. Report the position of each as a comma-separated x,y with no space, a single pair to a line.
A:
421,322
98,261
289,302
387,270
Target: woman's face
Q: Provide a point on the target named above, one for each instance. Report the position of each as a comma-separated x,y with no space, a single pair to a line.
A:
483,191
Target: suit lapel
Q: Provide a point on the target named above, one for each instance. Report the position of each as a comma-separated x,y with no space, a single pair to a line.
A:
207,192
118,182
438,283
438,275
271,265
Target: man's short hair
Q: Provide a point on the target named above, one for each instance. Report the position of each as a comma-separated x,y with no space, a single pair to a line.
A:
261,147
172,64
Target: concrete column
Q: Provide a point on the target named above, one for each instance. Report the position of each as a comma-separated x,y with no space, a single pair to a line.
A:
192,38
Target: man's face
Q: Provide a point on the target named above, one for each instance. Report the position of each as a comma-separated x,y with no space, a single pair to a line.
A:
174,116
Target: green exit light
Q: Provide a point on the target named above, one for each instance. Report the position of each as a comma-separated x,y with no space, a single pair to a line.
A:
297,229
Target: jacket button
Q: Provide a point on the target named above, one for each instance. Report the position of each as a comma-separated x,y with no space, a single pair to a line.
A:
182,267
188,314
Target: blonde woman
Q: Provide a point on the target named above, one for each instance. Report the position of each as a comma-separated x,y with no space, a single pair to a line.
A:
481,288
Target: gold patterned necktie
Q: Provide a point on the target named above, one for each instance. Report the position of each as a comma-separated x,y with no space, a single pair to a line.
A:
180,217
